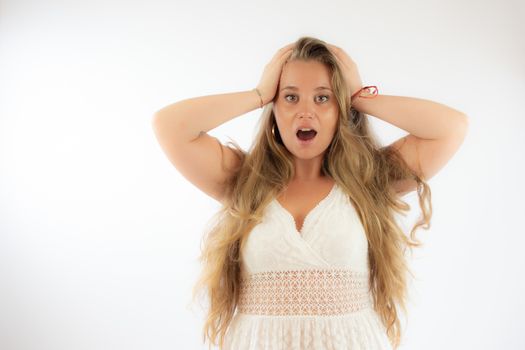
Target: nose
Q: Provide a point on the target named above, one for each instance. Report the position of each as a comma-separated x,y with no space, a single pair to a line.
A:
305,115
306,106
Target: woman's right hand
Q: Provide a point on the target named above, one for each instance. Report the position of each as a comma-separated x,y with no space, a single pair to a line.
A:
272,73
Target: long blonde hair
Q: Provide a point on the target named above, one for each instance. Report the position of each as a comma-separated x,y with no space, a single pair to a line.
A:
363,169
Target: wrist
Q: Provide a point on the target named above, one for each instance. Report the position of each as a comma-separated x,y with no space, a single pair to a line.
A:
259,97
369,91
359,99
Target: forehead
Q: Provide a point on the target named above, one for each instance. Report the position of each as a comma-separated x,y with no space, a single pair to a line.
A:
305,75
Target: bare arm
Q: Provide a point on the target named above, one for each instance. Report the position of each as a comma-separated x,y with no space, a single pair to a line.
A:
181,129
187,118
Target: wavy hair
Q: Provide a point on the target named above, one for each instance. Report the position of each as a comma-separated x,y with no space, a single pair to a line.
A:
356,162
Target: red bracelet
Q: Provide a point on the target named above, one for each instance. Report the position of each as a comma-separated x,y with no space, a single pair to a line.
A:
372,89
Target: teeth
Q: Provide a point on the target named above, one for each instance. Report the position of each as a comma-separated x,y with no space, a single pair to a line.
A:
304,129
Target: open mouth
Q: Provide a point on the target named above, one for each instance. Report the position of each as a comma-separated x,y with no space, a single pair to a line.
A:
306,135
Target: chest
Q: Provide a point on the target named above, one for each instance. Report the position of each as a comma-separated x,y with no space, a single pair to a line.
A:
298,202
331,235
299,209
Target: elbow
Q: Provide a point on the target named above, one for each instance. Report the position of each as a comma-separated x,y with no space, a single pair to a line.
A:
461,123
465,123
155,118
158,123
159,119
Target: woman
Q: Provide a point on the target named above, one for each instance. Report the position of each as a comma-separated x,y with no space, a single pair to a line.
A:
305,252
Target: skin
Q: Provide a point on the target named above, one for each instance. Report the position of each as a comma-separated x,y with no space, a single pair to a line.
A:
293,107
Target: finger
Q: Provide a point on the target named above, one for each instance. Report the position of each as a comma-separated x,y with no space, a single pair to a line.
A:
341,57
282,54
335,51
287,46
284,49
340,53
336,54
287,54
333,48
286,58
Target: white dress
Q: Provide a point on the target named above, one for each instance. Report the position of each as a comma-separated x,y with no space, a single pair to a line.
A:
309,289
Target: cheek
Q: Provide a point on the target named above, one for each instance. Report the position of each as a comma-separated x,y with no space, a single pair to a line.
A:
282,122
331,129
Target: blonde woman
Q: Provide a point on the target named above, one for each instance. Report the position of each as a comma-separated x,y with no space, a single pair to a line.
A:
305,252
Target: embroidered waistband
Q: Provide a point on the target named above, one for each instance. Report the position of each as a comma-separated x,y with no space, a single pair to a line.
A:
304,292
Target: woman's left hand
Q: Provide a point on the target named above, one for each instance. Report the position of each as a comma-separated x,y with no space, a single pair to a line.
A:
349,68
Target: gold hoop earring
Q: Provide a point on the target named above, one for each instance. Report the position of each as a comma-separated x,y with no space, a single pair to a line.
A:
273,130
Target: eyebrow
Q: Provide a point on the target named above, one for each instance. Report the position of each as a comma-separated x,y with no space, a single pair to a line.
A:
291,87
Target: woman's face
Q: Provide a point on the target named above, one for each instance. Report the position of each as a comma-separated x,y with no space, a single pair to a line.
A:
304,98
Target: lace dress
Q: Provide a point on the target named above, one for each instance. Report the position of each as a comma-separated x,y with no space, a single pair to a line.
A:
309,289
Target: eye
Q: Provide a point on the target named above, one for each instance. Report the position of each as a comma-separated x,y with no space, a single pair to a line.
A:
326,96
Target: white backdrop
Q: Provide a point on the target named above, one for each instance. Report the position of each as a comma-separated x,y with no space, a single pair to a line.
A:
99,233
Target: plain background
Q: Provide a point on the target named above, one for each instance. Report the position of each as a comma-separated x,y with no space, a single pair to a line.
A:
99,233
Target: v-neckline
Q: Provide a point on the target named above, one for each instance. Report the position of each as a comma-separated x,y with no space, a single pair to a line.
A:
308,215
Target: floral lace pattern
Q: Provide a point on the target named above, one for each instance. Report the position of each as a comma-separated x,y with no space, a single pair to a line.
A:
304,292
